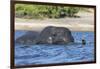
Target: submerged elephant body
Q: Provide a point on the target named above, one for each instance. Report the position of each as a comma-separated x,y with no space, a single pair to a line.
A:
49,35
28,38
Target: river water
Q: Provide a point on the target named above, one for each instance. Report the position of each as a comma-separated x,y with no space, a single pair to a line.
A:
48,54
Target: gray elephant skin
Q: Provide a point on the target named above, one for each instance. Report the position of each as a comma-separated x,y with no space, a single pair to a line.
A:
49,35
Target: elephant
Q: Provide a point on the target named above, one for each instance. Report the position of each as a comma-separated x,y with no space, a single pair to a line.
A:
49,35
28,38
55,35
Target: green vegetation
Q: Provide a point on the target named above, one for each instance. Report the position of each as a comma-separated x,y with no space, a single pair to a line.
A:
44,11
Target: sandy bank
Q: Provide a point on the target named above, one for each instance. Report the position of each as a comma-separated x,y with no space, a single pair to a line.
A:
40,26
84,23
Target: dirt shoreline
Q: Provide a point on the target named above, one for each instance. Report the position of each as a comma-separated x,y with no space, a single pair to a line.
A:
41,26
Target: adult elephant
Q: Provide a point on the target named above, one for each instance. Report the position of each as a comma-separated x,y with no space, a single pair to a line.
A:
55,35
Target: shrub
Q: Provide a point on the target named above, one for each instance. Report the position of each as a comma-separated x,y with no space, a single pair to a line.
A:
72,11
44,11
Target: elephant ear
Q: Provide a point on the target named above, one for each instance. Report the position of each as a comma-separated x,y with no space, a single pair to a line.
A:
69,35
45,34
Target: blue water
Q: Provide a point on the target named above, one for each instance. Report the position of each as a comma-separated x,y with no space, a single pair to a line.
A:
48,54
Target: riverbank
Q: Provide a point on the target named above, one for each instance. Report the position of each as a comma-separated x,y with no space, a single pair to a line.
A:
84,23
39,26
